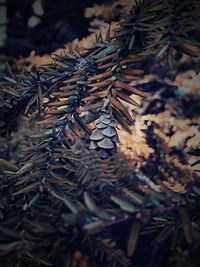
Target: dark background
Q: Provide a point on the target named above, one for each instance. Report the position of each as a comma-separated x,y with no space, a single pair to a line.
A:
62,21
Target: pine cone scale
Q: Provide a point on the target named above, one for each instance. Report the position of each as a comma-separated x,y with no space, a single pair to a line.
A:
104,137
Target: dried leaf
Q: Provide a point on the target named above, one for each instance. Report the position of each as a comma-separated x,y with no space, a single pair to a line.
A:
127,99
118,105
133,238
186,224
124,205
8,165
81,123
101,75
100,84
129,88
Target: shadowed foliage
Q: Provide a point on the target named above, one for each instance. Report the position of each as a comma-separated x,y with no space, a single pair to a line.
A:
93,168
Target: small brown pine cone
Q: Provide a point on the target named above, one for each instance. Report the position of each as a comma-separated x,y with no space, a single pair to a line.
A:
104,137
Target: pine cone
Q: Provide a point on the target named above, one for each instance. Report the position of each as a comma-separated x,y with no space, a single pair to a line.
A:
104,137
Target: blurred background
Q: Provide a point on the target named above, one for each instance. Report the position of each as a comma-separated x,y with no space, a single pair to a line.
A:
31,30
43,25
